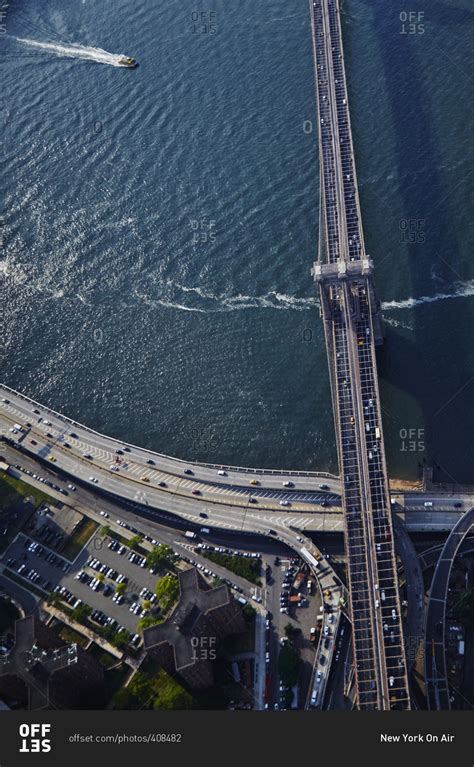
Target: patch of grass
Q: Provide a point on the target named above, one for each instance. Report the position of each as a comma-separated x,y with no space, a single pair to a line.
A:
8,615
69,635
15,510
12,490
81,535
250,569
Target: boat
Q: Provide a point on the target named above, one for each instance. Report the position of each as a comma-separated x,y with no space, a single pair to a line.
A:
127,61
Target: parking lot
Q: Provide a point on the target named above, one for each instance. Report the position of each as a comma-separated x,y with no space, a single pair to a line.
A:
49,570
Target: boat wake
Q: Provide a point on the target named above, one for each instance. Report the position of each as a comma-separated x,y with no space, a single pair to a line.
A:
75,51
463,290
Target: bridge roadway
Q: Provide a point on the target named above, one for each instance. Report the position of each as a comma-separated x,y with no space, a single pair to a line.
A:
226,504
350,313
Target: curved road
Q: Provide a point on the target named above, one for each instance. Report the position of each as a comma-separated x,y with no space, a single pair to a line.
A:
437,686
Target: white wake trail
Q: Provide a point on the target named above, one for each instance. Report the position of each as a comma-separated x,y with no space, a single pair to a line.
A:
464,290
75,51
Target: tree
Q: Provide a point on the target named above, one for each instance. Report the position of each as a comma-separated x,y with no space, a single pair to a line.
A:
135,542
121,588
147,605
54,599
141,687
105,531
80,614
101,577
167,591
170,695
149,620
160,558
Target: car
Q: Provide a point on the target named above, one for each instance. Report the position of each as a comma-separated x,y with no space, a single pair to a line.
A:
458,505
195,491
222,473
188,471
52,458
145,479
272,532
71,487
284,503
254,482
203,514
391,681
93,479
73,434
36,411
324,487
33,442
88,456
151,462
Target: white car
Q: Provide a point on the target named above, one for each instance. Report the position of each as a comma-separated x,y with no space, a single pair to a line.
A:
71,487
284,503
93,479
222,473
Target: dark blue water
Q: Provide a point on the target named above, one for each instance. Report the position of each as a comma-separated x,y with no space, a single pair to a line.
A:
160,225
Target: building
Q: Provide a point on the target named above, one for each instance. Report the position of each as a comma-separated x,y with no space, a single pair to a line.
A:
186,644
42,671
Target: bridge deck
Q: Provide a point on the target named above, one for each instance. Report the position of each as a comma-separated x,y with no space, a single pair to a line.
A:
347,298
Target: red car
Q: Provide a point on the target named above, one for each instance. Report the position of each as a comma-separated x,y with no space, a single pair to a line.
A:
196,492
33,442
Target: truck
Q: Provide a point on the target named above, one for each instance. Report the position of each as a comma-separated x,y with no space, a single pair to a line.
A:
295,599
189,534
377,432
298,581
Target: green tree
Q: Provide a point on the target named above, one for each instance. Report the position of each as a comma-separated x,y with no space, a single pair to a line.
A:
141,687
54,598
160,558
167,591
149,620
121,588
135,542
105,531
101,577
170,695
147,605
81,613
